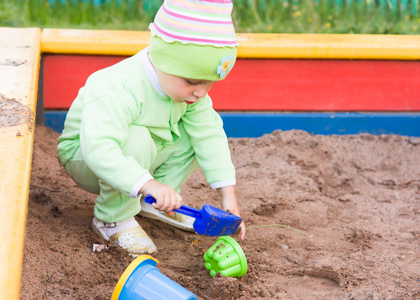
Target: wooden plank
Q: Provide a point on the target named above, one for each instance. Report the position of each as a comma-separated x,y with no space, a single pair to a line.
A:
64,75
55,119
329,46
271,84
19,65
257,124
104,42
320,85
252,45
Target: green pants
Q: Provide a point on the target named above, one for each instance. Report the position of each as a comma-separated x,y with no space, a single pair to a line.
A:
171,164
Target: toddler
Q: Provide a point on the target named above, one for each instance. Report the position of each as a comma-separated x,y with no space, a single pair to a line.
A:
142,126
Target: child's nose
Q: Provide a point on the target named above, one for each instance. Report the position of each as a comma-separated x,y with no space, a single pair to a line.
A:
202,90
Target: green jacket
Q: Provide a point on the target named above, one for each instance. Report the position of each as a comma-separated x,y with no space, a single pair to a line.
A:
120,96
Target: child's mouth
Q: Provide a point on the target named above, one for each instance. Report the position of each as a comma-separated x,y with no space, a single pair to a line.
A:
189,102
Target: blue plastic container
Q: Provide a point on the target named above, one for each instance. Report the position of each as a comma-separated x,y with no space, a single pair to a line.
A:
142,280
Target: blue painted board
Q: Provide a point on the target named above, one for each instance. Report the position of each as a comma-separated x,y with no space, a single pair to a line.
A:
258,124
54,119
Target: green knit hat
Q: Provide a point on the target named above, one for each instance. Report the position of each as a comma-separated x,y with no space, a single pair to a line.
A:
194,39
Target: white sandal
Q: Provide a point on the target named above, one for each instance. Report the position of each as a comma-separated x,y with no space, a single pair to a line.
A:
127,234
177,220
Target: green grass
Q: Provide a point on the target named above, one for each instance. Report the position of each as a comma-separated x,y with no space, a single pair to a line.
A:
264,16
322,16
128,15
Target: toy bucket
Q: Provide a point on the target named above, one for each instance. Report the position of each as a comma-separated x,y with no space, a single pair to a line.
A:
142,280
226,257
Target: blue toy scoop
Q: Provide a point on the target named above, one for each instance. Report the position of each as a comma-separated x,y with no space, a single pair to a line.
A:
209,220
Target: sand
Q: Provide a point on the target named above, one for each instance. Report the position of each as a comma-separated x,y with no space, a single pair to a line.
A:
358,196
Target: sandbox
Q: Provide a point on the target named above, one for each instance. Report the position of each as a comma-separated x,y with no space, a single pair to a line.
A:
357,195
331,210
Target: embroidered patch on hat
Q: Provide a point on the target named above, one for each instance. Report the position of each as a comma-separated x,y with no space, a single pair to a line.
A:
225,66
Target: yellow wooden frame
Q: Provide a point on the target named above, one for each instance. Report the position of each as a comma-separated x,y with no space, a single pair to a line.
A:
253,45
19,56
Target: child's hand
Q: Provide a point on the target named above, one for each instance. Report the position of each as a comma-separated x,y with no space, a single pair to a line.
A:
230,204
167,199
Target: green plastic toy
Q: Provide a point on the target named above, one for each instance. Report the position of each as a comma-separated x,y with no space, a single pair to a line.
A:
226,257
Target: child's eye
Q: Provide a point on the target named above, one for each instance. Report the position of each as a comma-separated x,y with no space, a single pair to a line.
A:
192,82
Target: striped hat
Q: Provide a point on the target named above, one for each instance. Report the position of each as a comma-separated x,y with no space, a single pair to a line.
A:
194,39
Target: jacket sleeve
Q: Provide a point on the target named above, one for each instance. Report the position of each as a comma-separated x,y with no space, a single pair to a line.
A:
104,130
205,128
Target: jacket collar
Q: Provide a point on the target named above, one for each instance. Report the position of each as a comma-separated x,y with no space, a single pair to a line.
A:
148,68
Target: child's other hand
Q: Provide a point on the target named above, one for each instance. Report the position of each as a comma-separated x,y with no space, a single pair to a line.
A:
167,199
232,207
230,204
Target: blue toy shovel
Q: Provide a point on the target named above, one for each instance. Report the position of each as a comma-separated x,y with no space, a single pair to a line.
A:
209,220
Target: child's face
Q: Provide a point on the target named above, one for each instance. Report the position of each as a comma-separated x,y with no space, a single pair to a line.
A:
182,89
